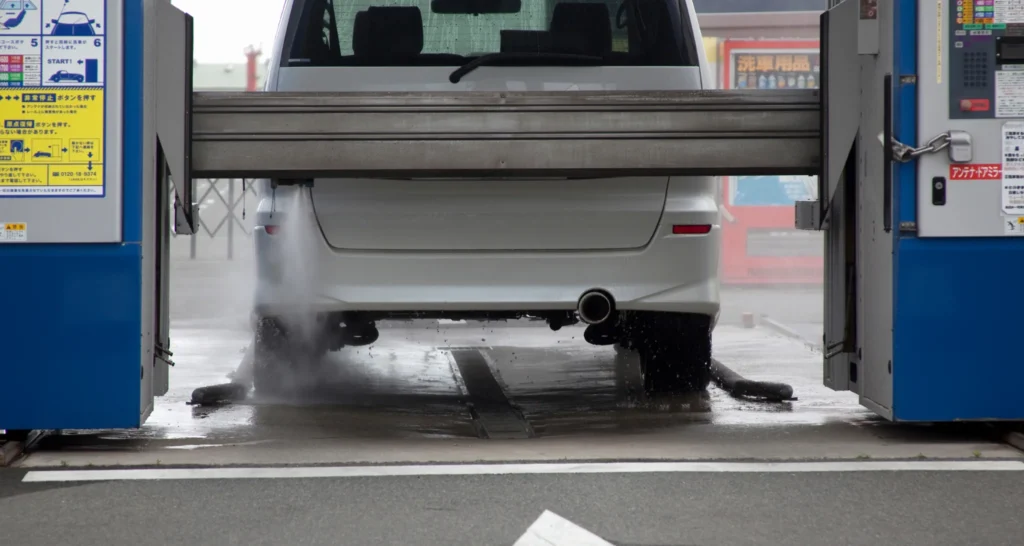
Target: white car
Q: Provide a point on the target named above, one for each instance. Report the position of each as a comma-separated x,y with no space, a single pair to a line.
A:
635,259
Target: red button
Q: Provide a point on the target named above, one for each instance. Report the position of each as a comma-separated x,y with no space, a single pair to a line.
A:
974,105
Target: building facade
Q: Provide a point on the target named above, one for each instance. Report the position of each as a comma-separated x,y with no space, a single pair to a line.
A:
225,76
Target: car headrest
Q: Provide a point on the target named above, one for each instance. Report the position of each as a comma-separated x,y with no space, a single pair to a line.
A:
394,31
361,34
591,20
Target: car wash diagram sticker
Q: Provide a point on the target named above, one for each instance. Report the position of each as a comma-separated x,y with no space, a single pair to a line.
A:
52,99
73,42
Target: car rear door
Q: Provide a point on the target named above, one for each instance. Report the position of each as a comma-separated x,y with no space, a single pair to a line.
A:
398,46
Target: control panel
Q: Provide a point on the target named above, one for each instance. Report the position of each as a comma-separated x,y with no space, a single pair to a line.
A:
986,62
971,106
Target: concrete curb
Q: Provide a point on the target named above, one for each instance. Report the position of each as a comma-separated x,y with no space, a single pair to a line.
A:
9,451
782,329
1015,439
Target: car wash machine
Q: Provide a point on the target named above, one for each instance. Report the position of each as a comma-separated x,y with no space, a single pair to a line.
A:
916,136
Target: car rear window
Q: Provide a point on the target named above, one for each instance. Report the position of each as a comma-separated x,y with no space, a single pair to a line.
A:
442,33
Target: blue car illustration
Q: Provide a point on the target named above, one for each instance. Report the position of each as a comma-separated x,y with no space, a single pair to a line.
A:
73,23
65,76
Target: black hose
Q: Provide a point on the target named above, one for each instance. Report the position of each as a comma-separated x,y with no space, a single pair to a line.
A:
219,394
737,385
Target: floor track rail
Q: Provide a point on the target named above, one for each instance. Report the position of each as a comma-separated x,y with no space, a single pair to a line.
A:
577,134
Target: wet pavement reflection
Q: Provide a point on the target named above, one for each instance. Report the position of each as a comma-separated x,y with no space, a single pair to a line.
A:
408,398
407,385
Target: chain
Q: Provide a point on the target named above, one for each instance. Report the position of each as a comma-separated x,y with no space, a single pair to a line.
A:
905,154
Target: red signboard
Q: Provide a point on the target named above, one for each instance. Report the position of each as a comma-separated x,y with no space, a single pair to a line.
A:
771,64
987,171
760,243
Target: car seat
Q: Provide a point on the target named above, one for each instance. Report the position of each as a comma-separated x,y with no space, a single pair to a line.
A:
656,34
590,22
388,35
360,34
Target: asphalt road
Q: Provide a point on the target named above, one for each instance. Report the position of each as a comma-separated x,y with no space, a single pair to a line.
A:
908,508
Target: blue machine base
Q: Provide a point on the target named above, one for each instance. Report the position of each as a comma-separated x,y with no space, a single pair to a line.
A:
955,330
70,343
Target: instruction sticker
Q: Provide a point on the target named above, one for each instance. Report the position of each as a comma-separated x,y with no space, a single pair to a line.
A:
52,78
13,232
1010,93
1008,11
1013,168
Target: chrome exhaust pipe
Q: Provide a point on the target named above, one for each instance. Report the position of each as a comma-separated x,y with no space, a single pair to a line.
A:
595,307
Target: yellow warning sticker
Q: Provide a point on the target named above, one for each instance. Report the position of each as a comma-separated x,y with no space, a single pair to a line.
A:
51,142
13,232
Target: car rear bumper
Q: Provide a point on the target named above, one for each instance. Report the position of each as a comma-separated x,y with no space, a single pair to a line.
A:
673,273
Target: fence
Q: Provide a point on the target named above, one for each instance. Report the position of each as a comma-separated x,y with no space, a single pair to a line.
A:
226,219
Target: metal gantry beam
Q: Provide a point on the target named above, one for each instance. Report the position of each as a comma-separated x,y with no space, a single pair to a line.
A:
574,134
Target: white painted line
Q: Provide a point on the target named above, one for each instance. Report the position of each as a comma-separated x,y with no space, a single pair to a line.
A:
229,473
550,529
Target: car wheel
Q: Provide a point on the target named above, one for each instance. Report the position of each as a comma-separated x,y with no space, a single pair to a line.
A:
675,353
281,364
269,359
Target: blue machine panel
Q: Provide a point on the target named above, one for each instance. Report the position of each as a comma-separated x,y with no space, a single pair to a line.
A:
72,314
70,337
954,334
955,330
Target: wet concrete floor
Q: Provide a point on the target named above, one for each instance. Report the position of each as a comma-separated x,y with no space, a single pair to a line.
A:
461,393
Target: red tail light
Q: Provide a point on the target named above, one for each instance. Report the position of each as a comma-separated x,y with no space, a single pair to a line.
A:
272,229
691,229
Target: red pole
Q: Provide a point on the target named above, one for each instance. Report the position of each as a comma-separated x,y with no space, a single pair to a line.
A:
252,55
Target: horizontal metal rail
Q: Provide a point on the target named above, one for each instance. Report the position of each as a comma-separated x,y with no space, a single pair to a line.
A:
564,134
